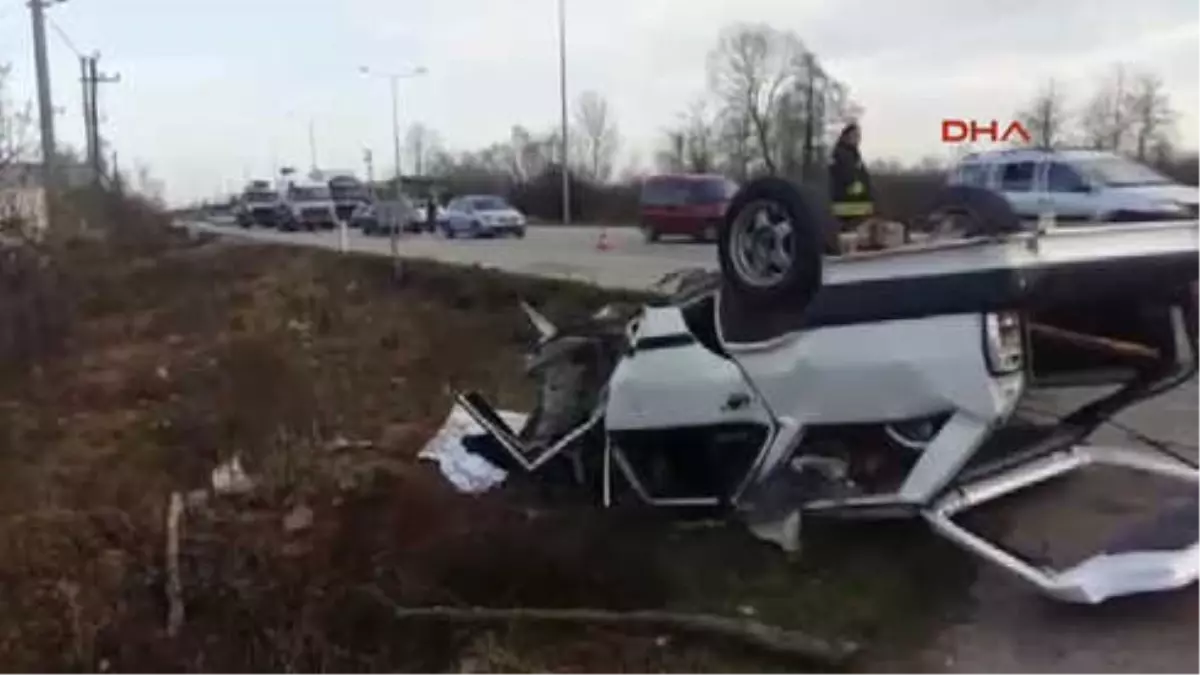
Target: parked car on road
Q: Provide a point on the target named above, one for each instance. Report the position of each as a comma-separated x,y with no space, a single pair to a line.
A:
308,205
690,205
421,222
258,205
481,216
1077,185
382,216
348,194
222,214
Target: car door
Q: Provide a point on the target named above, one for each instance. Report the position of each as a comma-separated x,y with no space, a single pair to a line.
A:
1016,181
1067,193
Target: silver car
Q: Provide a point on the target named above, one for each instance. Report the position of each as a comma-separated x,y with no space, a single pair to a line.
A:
481,216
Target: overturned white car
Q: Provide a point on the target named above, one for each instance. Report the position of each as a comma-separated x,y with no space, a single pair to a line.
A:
880,384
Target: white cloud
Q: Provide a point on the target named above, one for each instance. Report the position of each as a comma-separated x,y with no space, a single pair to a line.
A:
215,88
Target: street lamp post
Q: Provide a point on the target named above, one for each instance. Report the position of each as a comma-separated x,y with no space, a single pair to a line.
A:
562,95
394,79
395,135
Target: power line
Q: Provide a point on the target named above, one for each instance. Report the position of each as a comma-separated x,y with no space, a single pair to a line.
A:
62,34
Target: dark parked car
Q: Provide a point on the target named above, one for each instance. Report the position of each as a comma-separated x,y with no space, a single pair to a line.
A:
685,204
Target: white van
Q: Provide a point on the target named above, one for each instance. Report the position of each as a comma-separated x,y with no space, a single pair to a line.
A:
1077,185
308,205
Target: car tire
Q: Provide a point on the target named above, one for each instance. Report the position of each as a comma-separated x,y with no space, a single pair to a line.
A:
963,212
520,233
809,223
650,234
448,231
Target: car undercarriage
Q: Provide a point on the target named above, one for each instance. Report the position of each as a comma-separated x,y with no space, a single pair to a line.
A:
880,384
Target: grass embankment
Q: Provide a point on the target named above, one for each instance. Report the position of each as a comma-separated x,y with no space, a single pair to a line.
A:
327,379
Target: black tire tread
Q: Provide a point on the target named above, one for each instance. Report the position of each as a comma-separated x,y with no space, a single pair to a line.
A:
812,223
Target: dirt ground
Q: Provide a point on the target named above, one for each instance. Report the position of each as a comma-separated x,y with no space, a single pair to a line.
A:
326,378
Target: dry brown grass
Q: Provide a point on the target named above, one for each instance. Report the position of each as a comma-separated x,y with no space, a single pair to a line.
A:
181,354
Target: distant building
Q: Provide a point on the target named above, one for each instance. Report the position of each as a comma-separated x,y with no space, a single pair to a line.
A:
21,193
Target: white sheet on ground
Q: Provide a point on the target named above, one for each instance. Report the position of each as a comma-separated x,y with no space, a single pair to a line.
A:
466,471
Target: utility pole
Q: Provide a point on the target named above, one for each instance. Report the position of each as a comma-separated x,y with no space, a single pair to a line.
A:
45,111
85,78
368,159
562,95
95,79
394,80
395,135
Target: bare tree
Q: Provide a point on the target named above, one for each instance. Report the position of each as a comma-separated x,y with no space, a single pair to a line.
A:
1046,116
15,121
735,146
421,142
691,145
749,70
1105,120
531,154
700,151
598,135
1150,117
774,97
672,156
632,170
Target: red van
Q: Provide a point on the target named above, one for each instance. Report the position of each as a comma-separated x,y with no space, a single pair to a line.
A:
689,205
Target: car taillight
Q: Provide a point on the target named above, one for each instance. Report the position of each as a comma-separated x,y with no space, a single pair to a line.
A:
1003,343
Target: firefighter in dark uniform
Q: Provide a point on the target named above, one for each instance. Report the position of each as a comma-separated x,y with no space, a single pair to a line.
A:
849,182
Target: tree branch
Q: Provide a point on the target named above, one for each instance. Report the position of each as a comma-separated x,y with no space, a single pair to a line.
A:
773,640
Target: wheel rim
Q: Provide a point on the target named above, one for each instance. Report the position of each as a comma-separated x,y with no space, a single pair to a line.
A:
760,243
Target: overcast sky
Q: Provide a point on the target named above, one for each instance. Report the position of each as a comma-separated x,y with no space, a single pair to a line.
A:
212,90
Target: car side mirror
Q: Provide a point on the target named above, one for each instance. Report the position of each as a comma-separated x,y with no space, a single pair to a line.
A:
1083,188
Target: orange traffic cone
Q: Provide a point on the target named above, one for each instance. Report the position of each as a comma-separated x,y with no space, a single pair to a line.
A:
602,243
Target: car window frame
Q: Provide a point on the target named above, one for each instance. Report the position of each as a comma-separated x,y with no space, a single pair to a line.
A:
982,170
495,203
1001,181
1081,181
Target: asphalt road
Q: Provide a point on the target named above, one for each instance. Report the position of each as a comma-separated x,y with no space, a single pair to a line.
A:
564,252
